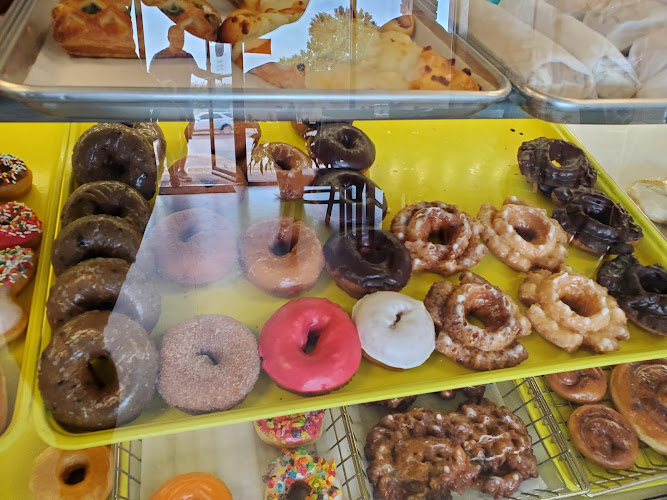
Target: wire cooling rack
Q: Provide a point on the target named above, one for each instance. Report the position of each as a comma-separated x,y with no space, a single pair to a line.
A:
651,466
560,474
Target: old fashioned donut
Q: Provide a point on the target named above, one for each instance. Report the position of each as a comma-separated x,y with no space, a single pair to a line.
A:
103,284
639,392
194,246
246,137
19,225
98,371
603,436
492,347
523,236
17,267
579,386
292,166
641,291
94,236
15,177
193,485
594,222
571,310
299,474
551,163
107,198
395,404
288,355
208,363
72,474
291,431
281,256
113,151
367,260
395,330
341,145
459,249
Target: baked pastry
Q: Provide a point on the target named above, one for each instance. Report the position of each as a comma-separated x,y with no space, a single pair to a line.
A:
197,17
651,196
579,386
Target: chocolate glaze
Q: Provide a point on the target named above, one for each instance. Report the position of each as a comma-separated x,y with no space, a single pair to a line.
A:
153,133
535,162
79,398
339,145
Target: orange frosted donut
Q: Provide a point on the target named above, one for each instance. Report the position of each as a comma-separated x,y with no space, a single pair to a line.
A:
72,474
282,256
194,485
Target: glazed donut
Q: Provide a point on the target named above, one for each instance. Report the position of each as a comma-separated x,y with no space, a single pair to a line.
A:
367,260
474,392
341,145
98,371
571,310
15,177
194,246
208,363
72,474
603,436
402,24
113,151
460,249
395,330
193,485
103,284
292,166
246,137
579,386
395,404
154,135
4,403
281,256
107,198
552,163
298,474
291,431
639,392
288,355
489,348
19,225
523,236
94,236
595,223
17,267
641,291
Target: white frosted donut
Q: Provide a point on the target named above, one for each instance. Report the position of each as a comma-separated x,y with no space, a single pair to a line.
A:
395,330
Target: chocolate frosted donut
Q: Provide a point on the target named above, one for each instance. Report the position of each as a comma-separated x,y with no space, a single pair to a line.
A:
103,284
366,261
308,128
551,163
107,198
94,236
641,291
595,223
339,145
98,371
153,133
113,151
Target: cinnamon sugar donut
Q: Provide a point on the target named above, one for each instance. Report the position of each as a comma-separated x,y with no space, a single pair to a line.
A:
579,386
416,224
523,236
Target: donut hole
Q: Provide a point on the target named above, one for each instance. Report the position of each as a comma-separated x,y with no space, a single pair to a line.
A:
188,233
653,281
580,303
531,228
211,357
115,169
311,341
445,234
283,246
299,490
603,211
74,474
102,371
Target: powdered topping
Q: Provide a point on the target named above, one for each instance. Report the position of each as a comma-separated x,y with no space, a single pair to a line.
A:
17,220
12,169
292,428
299,467
15,263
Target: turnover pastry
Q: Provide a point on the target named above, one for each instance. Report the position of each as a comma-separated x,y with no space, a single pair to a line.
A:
194,16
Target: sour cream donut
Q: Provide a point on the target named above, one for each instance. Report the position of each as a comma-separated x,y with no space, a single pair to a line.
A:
294,327
395,330
19,226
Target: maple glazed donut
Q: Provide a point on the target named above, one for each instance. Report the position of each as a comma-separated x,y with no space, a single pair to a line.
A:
523,236
281,256
366,261
19,225
107,198
15,177
87,399
595,222
552,163
641,291
287,339
341,145
579,386
459,248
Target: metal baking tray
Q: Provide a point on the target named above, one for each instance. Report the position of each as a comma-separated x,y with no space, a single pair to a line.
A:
67,89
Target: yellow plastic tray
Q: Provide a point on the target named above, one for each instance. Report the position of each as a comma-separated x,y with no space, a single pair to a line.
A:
464,162
42,147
